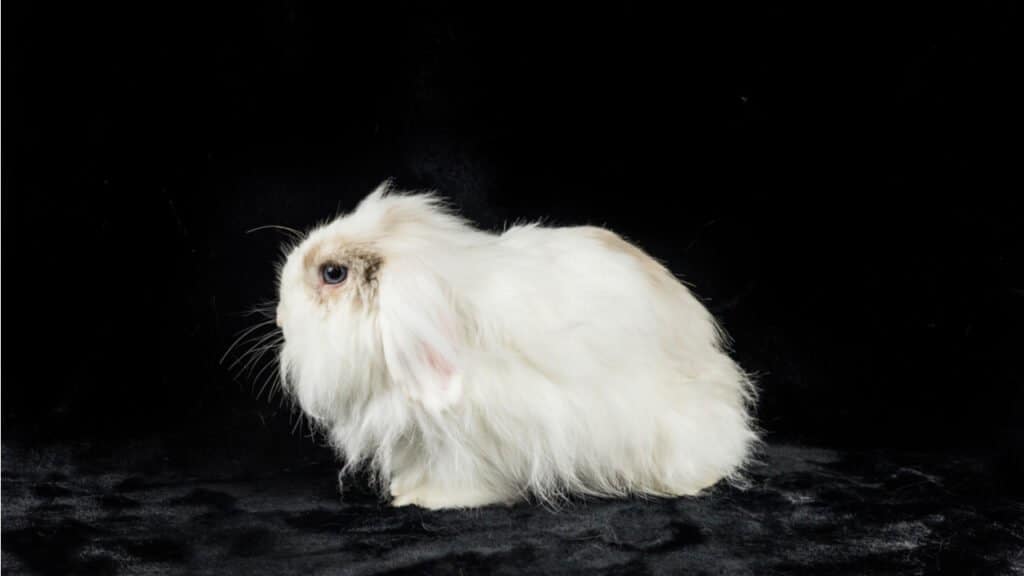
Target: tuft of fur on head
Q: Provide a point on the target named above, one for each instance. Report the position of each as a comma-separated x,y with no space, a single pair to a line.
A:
466,368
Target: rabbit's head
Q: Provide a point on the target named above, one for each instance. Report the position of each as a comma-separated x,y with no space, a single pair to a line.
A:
364,306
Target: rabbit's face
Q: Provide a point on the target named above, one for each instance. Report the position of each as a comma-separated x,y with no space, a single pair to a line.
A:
364,305
327,308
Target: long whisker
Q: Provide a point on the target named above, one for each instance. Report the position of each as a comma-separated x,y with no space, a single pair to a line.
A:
266,372
279,384
241,336
255,355
258,344
269,310
295,233
259,376
276,387
270,384
245,358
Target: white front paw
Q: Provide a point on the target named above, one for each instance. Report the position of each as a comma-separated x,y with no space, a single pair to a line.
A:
430,498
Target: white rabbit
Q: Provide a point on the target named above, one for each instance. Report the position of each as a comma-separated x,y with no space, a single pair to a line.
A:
467,368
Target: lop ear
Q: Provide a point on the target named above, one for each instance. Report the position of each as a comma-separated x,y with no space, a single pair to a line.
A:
420,334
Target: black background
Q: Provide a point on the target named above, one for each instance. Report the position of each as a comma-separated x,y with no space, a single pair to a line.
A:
838,183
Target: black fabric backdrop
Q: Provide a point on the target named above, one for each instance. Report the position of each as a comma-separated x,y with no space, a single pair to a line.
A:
838,183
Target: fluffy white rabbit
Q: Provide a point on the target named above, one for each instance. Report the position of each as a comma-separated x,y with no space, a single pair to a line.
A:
466,368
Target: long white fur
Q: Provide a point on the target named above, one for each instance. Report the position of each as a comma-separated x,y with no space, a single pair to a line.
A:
482,368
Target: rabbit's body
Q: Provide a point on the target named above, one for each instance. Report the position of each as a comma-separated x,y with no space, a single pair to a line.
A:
470,368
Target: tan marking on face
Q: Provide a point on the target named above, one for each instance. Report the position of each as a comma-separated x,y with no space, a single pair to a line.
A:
313,258
363,268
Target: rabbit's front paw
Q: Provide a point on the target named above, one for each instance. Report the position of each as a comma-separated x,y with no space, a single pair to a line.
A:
431,498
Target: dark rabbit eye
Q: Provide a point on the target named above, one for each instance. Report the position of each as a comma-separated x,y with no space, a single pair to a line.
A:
333,273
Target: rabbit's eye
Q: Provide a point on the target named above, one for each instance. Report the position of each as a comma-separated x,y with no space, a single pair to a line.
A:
333,273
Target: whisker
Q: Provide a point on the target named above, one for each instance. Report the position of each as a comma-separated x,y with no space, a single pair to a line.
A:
256,355
295,233
245,357
269,310
279,384
259,376
258,344
270,384
241,336
276,389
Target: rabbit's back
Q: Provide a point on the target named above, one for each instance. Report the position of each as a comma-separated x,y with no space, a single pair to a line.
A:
583,298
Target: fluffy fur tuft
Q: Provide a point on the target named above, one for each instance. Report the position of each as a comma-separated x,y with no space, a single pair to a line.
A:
467,368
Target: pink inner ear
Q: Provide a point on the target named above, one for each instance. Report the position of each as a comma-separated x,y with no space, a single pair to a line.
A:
439,365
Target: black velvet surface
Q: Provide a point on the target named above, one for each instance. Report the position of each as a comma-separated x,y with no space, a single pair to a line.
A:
806,511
